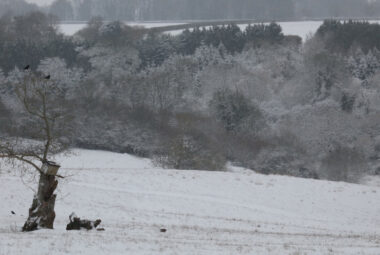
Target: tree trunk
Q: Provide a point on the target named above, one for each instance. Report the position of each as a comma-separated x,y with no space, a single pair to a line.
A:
41,213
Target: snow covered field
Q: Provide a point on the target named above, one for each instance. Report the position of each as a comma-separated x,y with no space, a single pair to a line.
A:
71,29
235,212
300,28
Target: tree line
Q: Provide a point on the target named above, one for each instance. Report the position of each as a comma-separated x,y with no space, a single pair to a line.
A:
205,97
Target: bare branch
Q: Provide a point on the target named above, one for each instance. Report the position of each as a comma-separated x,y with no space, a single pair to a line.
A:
40,100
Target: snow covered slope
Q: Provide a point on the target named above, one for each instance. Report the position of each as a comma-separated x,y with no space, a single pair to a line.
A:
238,212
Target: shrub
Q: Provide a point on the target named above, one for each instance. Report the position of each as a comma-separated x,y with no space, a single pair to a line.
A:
190,153
284,155
235,111
343,164
4,117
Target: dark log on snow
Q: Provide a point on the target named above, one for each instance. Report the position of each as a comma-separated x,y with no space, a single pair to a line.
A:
77,224
41,213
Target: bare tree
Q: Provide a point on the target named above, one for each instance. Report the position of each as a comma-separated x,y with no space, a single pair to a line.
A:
47,121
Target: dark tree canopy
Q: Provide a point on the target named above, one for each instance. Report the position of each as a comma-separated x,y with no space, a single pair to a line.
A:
62,9
30,38
349,35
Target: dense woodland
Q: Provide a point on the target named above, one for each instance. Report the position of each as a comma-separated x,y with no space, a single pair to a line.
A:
140,10
206,97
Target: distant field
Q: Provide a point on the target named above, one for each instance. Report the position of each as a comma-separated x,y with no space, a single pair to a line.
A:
300,28
72,28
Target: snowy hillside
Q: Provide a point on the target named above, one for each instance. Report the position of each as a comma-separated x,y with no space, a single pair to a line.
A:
237,212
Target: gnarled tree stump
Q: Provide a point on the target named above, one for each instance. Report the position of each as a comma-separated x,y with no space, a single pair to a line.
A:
41,213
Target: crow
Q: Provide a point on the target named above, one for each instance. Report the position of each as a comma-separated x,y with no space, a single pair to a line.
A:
47,77
163,230
27,67
13,212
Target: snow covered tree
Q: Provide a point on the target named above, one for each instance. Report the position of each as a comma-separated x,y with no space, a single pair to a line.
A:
363,66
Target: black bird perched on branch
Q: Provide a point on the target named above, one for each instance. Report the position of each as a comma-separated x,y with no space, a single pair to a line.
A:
47,77
27,67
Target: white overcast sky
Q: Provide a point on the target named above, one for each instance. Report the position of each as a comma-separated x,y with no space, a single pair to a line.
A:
40,2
